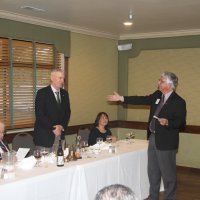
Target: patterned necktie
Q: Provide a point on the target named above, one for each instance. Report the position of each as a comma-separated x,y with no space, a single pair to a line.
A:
159,107
3,147
58,98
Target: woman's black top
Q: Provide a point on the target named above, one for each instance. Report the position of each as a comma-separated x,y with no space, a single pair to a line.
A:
95,133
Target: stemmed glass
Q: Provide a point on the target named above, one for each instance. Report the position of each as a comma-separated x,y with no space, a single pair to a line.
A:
78,139
84,145
37,155
109,139
130,136
44,152
99,141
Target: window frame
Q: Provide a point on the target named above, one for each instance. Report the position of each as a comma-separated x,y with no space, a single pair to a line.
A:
8,120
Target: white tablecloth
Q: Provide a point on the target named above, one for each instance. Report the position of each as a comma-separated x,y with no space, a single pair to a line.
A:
80,180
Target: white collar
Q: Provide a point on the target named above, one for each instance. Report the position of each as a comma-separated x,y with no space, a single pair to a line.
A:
54,90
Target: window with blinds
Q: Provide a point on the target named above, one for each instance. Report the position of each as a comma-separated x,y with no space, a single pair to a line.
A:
24,68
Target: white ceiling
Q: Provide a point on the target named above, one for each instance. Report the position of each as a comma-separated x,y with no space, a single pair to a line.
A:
152,18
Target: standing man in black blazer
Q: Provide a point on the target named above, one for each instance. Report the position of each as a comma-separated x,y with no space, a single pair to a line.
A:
167,117
52,112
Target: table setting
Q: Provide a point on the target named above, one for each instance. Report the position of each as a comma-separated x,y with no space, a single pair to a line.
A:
81,178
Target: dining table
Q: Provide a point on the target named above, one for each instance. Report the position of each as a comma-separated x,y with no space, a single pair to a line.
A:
81,179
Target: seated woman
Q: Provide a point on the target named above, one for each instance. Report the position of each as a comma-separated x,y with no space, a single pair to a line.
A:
3,144
100,129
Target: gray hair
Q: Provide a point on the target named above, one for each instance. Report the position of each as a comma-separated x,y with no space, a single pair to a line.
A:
115,192
55,70
171,79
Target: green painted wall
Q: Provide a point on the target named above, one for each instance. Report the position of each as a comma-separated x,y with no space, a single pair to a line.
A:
140,45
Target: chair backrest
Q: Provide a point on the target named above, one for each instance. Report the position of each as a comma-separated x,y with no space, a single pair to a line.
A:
84,133
23,140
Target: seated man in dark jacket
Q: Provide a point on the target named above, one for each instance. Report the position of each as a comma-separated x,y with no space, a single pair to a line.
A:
3,144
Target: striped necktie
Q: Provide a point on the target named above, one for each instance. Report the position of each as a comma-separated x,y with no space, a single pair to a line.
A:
158,109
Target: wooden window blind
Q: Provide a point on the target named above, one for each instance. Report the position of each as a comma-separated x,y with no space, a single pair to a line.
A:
4,80
24,68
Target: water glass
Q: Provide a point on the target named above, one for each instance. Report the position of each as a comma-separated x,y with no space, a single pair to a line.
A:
8,160
37,155
99,140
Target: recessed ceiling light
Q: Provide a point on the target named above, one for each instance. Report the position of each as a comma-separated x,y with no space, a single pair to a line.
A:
128,23
33,8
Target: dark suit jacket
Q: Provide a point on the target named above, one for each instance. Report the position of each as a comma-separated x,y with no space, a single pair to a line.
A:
6,144
174,109
48,114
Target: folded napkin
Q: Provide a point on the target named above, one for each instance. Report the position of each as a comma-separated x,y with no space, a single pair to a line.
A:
27,163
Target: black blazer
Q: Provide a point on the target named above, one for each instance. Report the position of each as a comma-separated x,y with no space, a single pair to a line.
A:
6,144
174,109
48,114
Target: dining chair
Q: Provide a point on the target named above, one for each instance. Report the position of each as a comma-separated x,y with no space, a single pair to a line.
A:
23,140
84,133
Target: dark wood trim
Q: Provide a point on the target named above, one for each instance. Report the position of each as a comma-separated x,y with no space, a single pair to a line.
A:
132,124
115,124
187,169
192,129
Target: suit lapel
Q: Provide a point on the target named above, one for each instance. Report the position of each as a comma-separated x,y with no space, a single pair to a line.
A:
173,94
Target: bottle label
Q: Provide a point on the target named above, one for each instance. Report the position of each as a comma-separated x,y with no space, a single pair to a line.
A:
60,160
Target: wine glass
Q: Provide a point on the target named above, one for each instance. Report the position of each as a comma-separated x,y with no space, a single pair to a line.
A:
132,135
99,140
44,152
37,155
78,139
84,145
129,136
109,139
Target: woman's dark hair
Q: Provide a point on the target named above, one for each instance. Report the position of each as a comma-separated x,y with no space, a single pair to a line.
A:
96,123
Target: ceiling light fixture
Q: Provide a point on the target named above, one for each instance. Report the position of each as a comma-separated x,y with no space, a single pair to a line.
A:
129,22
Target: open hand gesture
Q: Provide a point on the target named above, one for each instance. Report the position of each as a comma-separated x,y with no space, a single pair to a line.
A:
115,97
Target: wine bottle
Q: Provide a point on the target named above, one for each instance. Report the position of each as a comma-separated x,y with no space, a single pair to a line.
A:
60,155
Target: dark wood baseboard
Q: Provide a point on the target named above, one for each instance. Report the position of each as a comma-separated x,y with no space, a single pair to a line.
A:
188,169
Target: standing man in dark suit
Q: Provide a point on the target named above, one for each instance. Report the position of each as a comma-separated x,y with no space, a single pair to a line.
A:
167,117
52,110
